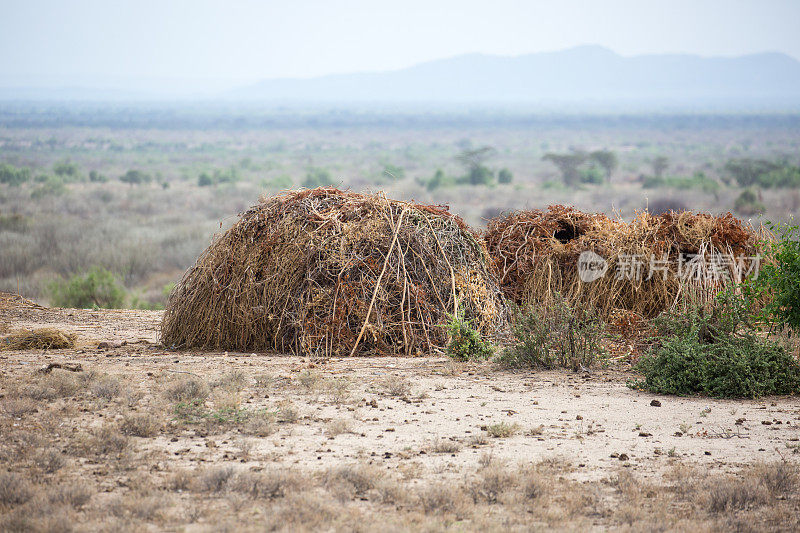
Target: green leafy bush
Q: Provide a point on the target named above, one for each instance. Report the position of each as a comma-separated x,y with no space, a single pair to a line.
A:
135,177
777,283
465,342
747,204
716,352
317,177
698,181
505,176
554,335
51,186
97,288
11,175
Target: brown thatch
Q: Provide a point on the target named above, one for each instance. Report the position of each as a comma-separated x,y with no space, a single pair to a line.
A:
537,252
38,339
335,273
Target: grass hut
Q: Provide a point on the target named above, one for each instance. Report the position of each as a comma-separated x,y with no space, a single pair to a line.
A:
333,273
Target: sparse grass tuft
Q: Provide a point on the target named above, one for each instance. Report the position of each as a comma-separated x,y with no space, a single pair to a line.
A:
337,427
502,430
445,446
395,386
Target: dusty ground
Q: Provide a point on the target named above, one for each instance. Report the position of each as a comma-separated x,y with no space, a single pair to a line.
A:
149,438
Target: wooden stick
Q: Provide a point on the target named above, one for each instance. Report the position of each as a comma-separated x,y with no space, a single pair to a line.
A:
452,272
378,282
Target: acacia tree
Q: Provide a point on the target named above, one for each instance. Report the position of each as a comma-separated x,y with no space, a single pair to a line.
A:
607,160
473,160
660,165
569,165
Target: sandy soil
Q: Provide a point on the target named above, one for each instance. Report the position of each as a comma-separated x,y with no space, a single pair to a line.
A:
585,417
395,410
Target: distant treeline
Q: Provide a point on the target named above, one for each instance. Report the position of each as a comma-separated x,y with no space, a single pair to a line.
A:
248,116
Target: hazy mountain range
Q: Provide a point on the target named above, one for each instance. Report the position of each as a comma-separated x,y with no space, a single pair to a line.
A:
584,75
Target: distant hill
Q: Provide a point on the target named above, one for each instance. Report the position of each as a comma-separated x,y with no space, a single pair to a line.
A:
586,74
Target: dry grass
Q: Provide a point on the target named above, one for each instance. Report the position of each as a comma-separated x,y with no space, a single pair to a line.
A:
394,385
18,407
38,339
187,389
326,272
502,430
14,489
140,425
444,446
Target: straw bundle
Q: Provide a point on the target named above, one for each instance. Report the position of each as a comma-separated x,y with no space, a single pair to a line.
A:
38,339
537,254
326,272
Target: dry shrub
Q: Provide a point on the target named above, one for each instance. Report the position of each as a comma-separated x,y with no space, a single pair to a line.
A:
326,272
780,478
52,386
349,481
18,407
268,485
140,425
14,489
337,427
260,424
441,498
138,506
106,388
726,495
50,460
492,482
304,512
39,339
75,495
187,389
108,440
536,254
502,430
444,446
395,385
215,479
338,390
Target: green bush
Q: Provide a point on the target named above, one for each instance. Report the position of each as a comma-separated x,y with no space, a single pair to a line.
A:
593,175
698,181
765,174
716,352
97,288
465,342
747,204
96,177
438,181
52,186
204,180
11,175
135,177
67,170
505,176
554,335
317,177
777,282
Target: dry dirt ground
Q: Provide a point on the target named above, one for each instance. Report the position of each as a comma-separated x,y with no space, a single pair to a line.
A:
142,438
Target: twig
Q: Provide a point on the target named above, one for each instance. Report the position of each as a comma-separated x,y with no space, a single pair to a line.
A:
72,367
378,282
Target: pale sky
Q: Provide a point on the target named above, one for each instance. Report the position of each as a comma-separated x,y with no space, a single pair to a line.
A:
65,41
